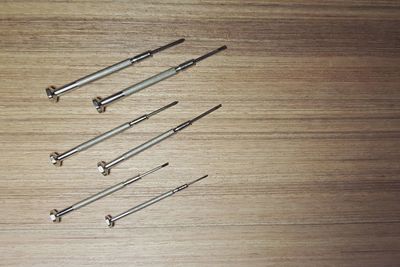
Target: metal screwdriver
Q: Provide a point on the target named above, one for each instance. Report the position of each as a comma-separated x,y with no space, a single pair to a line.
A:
54,93
111,220
105,168
56,215
57,159
101,103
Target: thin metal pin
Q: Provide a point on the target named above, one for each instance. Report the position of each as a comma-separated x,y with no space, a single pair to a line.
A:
209,54
206,113
57,158
162,109
161,48
105,168
54,93
195,181
56,215
110,220
101,103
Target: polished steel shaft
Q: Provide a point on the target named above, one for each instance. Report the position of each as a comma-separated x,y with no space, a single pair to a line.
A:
57,159
101,103
54,93
56,215
110,220
105,168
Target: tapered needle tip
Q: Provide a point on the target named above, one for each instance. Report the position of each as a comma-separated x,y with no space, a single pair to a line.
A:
161,109
206,113
209,54
179,41
165,165
195,181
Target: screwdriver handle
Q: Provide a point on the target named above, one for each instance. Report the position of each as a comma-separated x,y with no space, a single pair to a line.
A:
144,205
149,82
99,195
101,103
93,77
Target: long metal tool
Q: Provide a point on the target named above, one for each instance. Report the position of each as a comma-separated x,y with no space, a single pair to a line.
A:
105,168
57,159
110,220
101,103
54,93
56,215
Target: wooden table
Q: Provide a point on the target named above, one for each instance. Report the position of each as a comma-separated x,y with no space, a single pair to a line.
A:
303,157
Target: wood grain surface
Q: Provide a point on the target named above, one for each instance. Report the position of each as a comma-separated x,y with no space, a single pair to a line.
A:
303,157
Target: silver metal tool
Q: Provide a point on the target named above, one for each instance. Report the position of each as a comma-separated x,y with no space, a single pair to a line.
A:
105,168
57,159
56,215
110,220
101,103
54,93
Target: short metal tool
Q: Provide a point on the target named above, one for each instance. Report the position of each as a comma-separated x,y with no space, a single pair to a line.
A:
111,220
56,215
105,167
101,103
54,93
57,159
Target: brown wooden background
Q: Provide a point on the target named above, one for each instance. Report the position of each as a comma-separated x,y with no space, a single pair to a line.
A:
303,157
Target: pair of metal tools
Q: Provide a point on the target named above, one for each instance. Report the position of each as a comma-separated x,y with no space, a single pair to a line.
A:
56,215
104,167
54,93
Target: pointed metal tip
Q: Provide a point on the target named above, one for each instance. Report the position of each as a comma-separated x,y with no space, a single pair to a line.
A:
172,104
154,169
206,113
214,108
209,54
163,108
165,165
179,41
195,181
222,48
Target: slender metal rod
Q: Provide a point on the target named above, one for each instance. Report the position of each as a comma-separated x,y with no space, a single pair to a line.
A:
105,168
56,215
57,158
54,93
110,220
209,54
101,103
